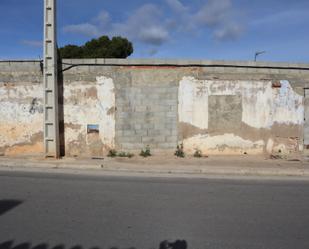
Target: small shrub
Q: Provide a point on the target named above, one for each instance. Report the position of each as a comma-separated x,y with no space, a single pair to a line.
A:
198,153
112,153
125,154
179,151
145,152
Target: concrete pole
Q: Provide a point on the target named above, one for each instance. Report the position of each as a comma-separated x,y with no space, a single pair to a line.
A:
51,120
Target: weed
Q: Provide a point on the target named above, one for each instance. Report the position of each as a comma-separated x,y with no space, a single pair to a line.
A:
198,153
179,151
145,152
125,154
112,153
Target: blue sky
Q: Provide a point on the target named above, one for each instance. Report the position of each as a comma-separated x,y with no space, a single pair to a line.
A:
192,29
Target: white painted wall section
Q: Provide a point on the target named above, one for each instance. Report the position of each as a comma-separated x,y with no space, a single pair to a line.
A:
193,102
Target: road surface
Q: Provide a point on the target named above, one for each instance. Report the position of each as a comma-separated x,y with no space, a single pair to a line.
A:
55,211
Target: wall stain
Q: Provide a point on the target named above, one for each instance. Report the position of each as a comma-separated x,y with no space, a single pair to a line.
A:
34,146
187,130
111,111
286,137
73,126
92,93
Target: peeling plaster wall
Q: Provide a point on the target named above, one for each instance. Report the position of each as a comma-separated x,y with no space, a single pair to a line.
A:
89,104
261,107
265,105
21,111
227,144
253,108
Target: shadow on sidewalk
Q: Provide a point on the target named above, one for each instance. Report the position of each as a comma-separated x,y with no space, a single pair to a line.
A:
7,205
179,244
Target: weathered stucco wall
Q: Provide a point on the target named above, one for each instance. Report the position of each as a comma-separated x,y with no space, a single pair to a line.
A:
215,107
21,110
234,117
89,103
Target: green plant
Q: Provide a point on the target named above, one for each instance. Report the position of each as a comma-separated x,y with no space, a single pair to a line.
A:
125,154
112,153
179,151
198,153
145,152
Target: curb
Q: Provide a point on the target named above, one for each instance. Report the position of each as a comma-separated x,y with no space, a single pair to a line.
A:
52,167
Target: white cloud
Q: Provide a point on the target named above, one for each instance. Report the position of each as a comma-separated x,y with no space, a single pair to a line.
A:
103,18
85,29
32,43
144,25
218,16
214,12
155,35
176,6
229,32
148,24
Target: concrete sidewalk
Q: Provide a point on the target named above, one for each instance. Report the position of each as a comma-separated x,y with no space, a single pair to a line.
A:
194,167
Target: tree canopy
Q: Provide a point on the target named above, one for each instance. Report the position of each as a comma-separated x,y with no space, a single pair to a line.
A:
102,47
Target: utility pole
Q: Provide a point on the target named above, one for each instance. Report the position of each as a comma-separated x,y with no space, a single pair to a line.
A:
50,81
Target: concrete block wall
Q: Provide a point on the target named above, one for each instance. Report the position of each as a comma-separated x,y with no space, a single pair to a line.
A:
147,111
219,107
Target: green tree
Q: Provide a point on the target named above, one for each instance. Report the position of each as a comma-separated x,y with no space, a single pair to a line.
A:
103,47
71,51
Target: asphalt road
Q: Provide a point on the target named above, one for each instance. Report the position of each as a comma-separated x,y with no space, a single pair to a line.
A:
49,211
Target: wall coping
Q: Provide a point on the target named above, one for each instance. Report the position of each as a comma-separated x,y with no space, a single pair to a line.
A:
175,62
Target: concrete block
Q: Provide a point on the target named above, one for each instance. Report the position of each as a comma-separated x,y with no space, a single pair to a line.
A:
171,125
153,139
166,132
128,133
171,139
156,108
131,146
171,114
118,62
169,120
141,132
174,132
140,109
173,108
133,139
170,102
168,146
137,126
152,132
148,126
159,126
125,126
77,61
172,89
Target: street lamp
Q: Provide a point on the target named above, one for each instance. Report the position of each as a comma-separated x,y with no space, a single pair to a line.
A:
258,53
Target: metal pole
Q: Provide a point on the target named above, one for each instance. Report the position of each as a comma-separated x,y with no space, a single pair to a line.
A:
51,121
257,54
